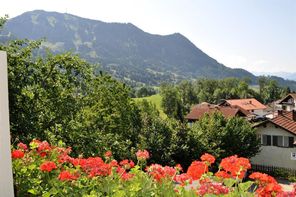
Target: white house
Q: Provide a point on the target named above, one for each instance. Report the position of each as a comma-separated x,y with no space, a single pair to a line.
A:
289,102
277,137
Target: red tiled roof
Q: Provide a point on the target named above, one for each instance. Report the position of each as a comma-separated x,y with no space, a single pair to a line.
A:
199,110
246,104
285,121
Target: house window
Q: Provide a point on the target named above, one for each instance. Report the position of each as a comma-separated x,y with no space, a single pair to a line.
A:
291,142
277,140
266,140
293,156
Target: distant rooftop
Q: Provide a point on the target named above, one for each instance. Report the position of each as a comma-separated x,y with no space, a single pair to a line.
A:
246,104
200,110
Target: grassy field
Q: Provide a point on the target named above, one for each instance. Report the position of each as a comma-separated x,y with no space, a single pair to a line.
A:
155,99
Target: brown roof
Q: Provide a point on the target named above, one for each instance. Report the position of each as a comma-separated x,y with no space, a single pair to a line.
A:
246,104
285,121
293,95
201,109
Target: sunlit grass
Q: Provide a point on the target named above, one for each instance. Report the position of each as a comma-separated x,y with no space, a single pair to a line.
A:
155,99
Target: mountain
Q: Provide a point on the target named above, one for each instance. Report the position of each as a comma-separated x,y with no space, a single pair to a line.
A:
285,75
123,50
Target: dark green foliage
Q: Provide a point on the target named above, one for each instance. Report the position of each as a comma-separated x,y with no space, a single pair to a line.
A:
178,99
57,97
155,135
168,141
145,91
270,90
224,137
43,93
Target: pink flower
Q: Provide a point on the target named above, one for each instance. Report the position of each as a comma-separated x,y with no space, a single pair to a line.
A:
142,155
22,146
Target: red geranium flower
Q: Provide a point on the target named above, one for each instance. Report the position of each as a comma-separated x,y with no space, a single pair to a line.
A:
48,166
208,158
197,169
67,176
126,164
159,172
183,179
142,155
108,154
17,154
222,174
236,166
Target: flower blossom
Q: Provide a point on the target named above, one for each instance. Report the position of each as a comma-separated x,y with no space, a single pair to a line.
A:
159,172
142,155
22,146
197,169
236,166
208,158
108,154
48,166
67,176
126,164
17,154
212,188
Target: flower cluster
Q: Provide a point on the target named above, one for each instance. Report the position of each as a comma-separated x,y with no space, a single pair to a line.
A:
142,155
54,165
16,154
48,166
68,176
212,188
268,186
234,166
159,173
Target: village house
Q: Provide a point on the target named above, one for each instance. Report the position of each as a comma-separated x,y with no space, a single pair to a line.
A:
200,110
277,136
251,105
288,103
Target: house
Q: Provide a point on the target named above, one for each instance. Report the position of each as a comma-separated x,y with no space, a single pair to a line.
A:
200,109
251,105
277,137
272,109
288,103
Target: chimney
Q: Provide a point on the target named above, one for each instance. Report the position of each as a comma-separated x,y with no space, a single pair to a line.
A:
294,115
250,102
280,112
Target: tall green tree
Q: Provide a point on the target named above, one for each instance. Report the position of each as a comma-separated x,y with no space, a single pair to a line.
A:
270,90
223,137
57,97
171,101
43,91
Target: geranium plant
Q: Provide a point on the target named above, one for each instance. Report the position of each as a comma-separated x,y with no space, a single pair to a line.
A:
45,170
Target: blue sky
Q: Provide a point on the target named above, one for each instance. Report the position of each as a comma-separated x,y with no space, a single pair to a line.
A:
255,35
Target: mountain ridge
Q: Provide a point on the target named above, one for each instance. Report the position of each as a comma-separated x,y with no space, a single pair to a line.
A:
122,49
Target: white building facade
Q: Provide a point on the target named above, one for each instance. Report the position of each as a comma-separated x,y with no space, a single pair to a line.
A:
277,147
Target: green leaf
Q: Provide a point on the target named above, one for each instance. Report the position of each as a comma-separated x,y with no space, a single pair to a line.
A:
245,186
32,191
229,182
